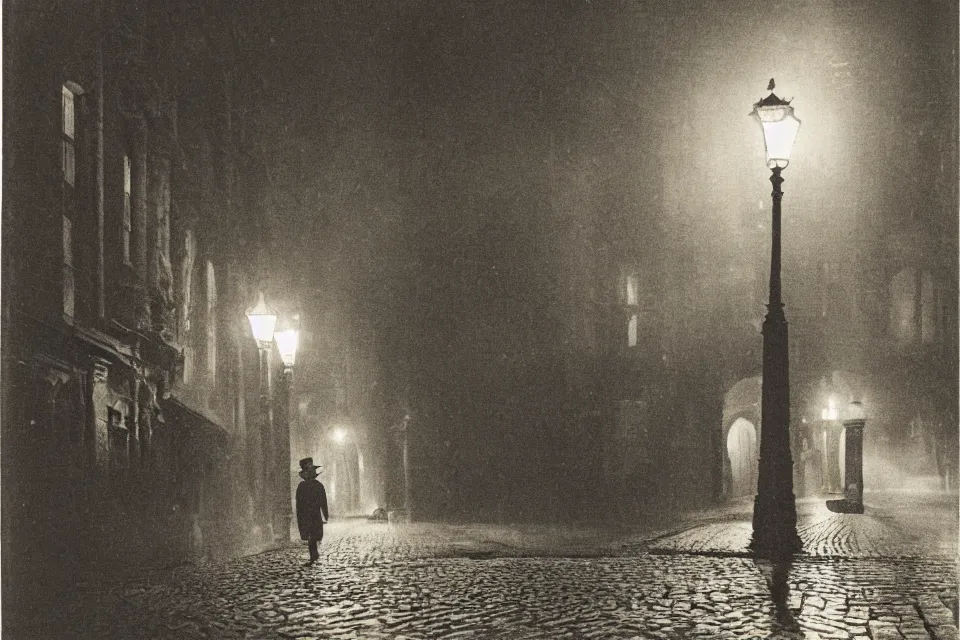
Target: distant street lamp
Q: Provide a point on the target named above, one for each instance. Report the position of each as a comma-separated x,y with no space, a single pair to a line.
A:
263,321
287,343
774,509
829,413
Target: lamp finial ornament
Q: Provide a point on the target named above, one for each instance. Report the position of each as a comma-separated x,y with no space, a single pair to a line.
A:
771,85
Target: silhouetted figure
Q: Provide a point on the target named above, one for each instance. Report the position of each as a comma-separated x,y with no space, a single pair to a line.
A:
312,510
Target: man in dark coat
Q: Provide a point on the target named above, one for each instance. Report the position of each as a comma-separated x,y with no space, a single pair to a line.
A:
311,507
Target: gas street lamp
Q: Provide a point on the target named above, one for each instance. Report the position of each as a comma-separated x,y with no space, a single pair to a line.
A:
774,508
263,321
287,343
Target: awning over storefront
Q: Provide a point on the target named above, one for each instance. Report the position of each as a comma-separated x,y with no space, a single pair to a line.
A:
194,425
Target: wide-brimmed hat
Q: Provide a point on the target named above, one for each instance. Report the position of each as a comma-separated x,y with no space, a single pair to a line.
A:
307,467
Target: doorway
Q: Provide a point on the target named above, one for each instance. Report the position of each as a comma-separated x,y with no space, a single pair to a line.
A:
742,451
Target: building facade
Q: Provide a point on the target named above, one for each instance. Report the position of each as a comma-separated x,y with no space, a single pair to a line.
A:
131,413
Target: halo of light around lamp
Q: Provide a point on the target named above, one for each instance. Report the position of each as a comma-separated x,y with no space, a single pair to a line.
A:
263,321
780,128
854,411
287,343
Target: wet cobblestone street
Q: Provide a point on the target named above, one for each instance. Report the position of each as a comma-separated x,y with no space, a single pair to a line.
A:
437,581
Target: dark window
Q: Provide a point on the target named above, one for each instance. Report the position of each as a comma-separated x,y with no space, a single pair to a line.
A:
68,268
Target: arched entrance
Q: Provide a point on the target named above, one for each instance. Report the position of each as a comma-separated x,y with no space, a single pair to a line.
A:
742,453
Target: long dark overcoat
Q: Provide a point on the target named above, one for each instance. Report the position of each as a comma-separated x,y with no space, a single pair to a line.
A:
311,508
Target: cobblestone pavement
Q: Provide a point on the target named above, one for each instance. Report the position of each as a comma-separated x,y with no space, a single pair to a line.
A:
893,525
435,581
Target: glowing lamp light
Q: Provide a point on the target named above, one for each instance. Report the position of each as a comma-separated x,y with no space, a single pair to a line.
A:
830,413
780,129
287,342
854,411
263,321
339,435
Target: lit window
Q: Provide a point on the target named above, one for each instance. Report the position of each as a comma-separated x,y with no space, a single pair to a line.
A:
632,331
211,323
68,139
126,229
632,289
68,128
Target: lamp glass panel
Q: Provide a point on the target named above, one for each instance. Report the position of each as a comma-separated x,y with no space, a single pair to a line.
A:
287,342
780,130
262,326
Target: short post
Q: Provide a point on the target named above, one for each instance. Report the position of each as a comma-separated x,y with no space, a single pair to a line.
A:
853,462
853,423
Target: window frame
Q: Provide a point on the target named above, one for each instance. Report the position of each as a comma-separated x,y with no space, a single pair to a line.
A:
71,95
68,134
126,223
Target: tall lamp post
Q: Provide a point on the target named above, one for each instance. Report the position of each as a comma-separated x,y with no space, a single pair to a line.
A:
774,508
287,344
263,321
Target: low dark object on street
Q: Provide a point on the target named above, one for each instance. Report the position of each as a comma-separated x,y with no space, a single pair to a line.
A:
379,515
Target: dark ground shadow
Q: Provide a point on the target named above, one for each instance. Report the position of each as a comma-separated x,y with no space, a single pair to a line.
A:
776,573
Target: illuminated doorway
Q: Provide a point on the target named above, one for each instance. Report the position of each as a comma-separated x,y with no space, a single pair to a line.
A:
742,451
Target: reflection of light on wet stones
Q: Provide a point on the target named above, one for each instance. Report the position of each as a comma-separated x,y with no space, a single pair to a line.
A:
268,615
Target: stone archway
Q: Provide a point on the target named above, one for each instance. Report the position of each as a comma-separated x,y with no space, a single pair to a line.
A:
740,438
742,453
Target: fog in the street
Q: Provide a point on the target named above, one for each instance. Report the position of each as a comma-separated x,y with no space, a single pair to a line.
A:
476,180
519,282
